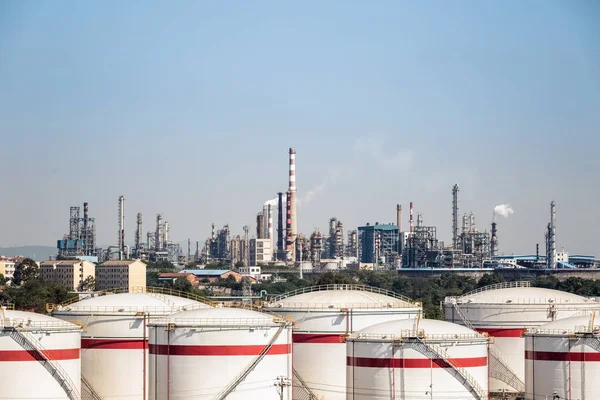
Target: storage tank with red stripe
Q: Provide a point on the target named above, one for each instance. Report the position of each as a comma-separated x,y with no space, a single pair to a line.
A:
417,359
323,316
562,359
114,341
220,353
39,357
504,311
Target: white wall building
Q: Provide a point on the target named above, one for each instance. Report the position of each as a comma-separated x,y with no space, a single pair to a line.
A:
260,251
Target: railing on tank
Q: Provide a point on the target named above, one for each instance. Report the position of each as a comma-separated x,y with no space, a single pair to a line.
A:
342,287
496,286
160,292
28,325
244,322
577,329
421,334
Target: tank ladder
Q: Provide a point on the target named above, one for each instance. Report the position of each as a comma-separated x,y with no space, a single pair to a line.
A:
304,392
434,351
499,369
87,391
250,367
35,349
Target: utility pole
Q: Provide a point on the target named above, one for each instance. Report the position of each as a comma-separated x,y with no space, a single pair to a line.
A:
281,382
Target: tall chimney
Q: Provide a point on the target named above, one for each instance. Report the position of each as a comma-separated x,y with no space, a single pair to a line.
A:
399,217
494,247
455,216
292,201
138,234
260,225
270,225
552,233
288,230
410,221
121,226
280,251
189,250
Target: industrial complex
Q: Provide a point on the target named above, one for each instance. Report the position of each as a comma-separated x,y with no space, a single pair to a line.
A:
374,246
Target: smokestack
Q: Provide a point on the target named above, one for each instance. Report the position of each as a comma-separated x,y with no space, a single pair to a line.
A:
410,221
121,226
399,217
260,225
455,216
292,201
189,250
197,250
166,239
280,251
494,247
288,230
138,234
552,234
537,252
85,212
270,225
212,234
158,234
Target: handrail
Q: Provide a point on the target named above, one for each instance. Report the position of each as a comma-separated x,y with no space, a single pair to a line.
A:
35,348
468,381
246,371
216,321
93,395
499,369
349,287
577,329
145,289
28,325
502,285
411,334
308,393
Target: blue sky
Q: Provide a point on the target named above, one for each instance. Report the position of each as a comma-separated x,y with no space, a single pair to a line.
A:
188,108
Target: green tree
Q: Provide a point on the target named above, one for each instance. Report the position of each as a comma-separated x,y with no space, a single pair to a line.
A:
87,285
34,294
25,271
490,279
2,280
183,285
329,278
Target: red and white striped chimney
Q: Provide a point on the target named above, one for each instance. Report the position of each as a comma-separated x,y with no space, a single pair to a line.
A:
411,216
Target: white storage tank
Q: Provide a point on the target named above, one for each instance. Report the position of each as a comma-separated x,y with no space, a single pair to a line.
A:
417,359
562,359
114,341
323,316
39,357
504,311
220,353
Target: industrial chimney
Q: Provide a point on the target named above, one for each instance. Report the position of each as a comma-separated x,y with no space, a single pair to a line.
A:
494,240
399,217
455,217
293,232
410,222
288,229
280,251
138,234
270,225
121,226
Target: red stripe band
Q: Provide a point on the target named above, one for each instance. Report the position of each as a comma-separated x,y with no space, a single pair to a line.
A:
250,350
318,338
555,356
114,344
502,332
24,355
415,362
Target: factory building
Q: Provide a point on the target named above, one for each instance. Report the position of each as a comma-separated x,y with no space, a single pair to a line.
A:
81,239
378,244
8,265
260,251
217,248
68,273
121,274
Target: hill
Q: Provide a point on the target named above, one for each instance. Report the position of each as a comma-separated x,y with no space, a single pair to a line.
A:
38,253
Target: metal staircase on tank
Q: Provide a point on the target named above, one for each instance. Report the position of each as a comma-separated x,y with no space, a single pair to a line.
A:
498,368
250,367
301,389
35,349
87,391
434,351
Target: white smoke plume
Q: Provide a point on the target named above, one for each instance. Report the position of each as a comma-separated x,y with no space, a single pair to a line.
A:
503,210
272,203
332,174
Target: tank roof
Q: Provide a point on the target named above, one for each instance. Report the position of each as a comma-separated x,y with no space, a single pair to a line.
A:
156,303
583,322
34,321
219,316
340,296
519,293
424,328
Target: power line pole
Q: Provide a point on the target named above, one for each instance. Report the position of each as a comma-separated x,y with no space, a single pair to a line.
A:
281,382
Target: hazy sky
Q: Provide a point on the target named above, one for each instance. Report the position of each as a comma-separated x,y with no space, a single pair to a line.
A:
188,109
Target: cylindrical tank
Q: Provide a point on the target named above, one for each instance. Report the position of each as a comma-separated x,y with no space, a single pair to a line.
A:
38,353
201,353
114,341
504,311
416,359
323,316
562,359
